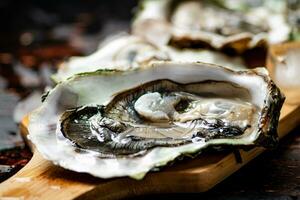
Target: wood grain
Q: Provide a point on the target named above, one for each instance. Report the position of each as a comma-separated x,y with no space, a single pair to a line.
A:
40,179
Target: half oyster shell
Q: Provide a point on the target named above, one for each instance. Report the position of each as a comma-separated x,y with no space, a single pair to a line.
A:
208,24
125,123
127,52
283,65
120,52
294,18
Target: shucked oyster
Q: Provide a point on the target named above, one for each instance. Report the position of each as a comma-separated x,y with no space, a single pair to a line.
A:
127,52
126,123
196,23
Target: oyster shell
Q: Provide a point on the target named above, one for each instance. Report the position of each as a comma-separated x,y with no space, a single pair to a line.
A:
283,65
127,52
294,18
125,123
120,52
206,56
208,24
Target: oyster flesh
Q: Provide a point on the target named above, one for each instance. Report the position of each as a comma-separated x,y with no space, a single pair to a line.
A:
125,123
208,24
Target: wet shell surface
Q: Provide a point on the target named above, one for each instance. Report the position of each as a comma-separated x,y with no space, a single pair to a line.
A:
283,64
119,52
209,24
125,123
128,52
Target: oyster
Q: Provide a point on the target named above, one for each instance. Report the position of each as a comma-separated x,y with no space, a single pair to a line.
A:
294,18
207,56
125,123
208,24
127,52
283,64
121,52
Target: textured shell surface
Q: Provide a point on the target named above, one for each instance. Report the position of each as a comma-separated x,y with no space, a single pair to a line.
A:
126,123
129,52
181,23
118,52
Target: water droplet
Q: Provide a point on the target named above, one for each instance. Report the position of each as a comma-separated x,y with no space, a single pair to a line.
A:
125,140
198,140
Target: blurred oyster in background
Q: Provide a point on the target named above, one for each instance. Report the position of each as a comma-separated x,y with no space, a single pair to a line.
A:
210,24
289,9
207,56
28,77
287,71
127,52
120,52
283,63
244,5
8,128
294,18
27,105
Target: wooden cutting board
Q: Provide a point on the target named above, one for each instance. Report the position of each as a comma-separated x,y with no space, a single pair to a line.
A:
40,179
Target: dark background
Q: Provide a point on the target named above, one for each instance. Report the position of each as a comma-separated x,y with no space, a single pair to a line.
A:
40,17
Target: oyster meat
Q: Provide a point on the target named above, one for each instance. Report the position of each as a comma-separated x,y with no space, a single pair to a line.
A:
125,123
208,24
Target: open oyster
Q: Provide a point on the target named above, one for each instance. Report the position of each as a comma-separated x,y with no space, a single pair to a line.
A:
207,56
120,52
196,23
283,65
125,123
127,52
294,18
